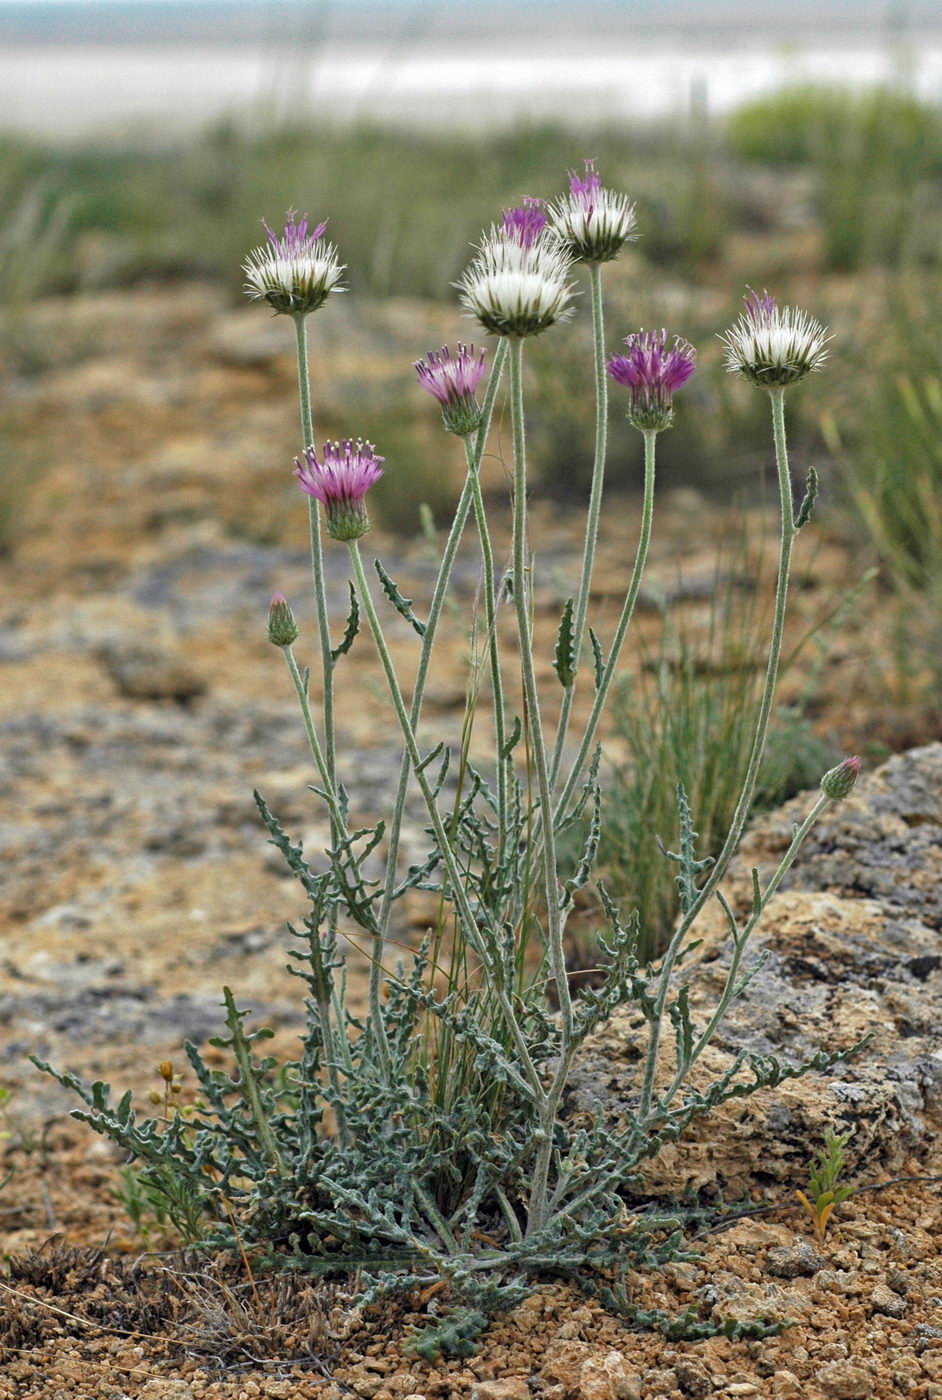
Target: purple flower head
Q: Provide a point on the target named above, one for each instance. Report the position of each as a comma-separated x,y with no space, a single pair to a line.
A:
652,372
282,628
296,272
592,222
760,310
525,223
340,480
585,187
453,382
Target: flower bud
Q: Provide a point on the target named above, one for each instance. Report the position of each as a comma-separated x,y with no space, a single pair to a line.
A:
165,1070
282,628
839,782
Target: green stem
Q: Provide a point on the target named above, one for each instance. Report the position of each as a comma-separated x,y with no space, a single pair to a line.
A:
490,619
465,912
628,607
431,627
744,804
317,554
595,506
313,740
243,1054
436,1219
523,590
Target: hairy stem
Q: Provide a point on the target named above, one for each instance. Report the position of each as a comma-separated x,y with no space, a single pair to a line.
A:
624,620
313,740
755,758
317,555
463,904
490,620
595,507
418,693
523,591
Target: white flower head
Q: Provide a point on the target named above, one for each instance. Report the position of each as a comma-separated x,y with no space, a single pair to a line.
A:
774,346
592,222
295,273
518,285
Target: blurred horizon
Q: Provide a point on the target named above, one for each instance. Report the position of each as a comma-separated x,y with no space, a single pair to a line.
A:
78,68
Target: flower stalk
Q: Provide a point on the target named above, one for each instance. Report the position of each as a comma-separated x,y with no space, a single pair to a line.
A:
741,813
456,880
317,555
594,509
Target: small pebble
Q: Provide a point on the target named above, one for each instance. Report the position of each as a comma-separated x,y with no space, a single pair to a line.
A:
513,1389
846,1381
693,1377
793,1261
884,1300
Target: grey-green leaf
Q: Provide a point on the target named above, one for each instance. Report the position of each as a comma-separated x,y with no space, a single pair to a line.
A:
806,509
564,662
351,629
402,605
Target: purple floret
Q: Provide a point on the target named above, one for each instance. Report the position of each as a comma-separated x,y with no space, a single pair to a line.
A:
651,373
649,363
525,223
295,241
345,474
760,310
450,380
585,187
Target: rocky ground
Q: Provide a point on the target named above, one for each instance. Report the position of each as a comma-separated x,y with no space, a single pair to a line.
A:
140,704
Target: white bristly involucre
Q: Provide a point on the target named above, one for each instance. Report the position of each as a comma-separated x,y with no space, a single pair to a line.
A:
592,222
296,272
518,289
774,346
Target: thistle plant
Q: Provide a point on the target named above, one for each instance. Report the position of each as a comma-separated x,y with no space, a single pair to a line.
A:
427,1144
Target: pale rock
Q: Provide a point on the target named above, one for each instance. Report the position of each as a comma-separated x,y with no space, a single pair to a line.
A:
609,1379
884,1300
786,1386
515,1388
793,1261
850,944
693,1377
160,1389
148,671
845,1380
569,1330
660,1380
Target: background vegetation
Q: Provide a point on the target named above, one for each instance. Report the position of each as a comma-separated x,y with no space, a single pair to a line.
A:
831,199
